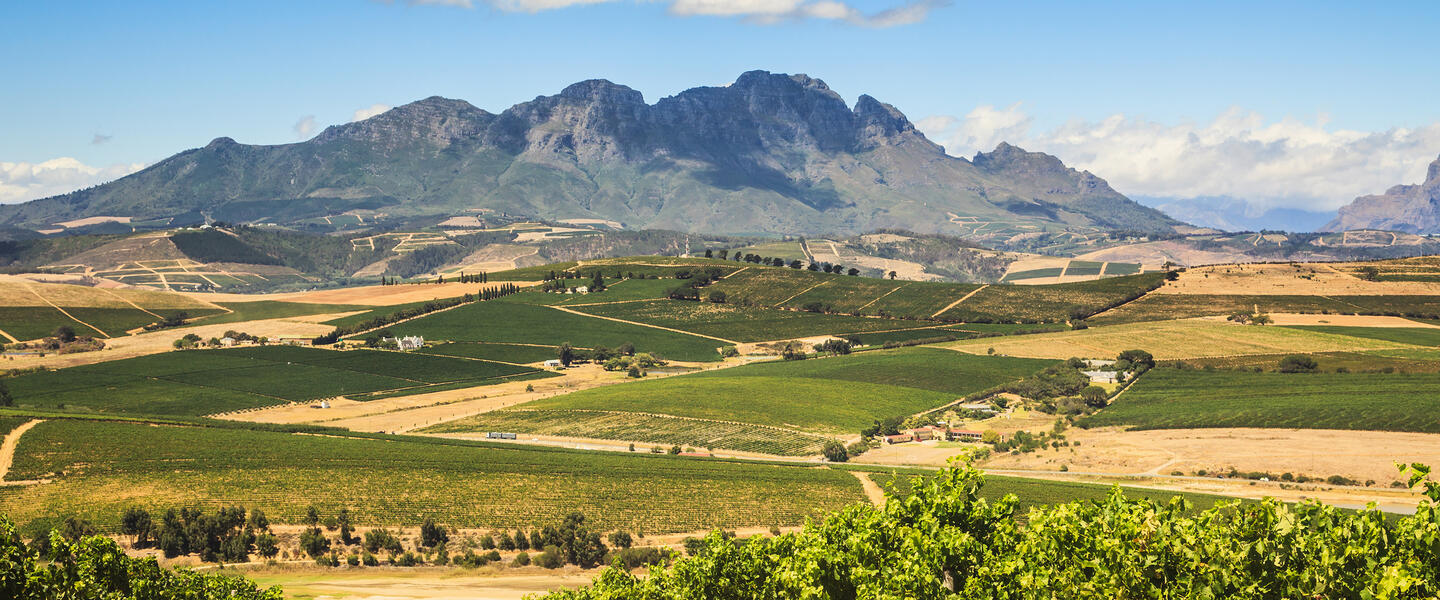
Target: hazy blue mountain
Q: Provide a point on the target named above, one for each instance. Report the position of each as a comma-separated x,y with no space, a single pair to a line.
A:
769,153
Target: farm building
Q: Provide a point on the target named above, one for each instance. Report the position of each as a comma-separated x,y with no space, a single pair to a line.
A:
899,438
925,433
227,341
1096,363
295,340
1102,376
963,435
412,342
496,435
554,364
983,407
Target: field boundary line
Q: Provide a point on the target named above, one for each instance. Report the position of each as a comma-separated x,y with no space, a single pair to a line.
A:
877,298
433,312
127,301
957,302
732,274
803,291
12,441
8,336
708,337
62,311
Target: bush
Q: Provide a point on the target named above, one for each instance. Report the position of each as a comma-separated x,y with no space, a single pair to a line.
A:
314,542
521,560
834,451
620,540
634,558
1298,363
551,558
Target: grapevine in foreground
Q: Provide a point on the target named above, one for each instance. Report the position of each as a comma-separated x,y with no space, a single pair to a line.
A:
943,541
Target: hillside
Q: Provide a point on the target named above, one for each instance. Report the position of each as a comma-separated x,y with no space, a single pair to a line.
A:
1407,208
781,154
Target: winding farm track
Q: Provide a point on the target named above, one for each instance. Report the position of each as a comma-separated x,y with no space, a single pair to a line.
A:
708,337
7,449
957,302
62,311
872,489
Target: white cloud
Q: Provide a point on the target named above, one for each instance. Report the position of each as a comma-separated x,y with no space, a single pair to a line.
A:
767,12
100,138
372,110
304,127
22,181
776,11
1285,163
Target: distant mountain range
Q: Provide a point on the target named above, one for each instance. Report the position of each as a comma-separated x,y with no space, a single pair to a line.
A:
1408,208
770,153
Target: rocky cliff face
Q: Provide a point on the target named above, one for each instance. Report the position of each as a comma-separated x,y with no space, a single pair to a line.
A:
769,153
1408,208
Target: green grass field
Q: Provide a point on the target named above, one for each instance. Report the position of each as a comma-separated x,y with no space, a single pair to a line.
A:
1419,336
1178,399
791,288
34,322
516,322
273,309
617,290
1051,303
1034,274
827,396
210,381
101,468
740,323
511,353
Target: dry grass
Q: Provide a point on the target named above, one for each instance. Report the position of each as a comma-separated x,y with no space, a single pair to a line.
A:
1289,280
1189,338
18,291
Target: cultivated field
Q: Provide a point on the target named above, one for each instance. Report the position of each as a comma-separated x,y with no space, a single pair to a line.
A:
743,324
201,382
100,468
515,322
31,310
1191,338
1180,399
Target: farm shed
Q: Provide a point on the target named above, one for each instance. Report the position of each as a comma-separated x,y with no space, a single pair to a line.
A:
1102,376
899,438
963,435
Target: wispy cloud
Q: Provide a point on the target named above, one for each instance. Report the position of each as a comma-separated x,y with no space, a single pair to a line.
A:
764,12
22,181
304,127
370,111
100,138
1268,163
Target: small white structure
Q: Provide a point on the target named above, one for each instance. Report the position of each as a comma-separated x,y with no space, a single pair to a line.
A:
411,342
227,341
1102,376
584,289
324,404
554,363
979,407
1096,363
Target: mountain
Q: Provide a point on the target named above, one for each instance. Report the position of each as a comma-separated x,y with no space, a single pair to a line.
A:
1408,208
769,153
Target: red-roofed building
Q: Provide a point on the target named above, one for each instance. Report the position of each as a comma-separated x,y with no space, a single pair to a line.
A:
963,435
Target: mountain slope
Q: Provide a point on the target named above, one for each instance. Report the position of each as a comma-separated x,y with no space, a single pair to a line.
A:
1408,208
769,153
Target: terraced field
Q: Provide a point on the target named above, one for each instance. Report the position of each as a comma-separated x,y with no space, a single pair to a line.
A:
100,469
516,322
1172,340
1052,303
211,381
1179,399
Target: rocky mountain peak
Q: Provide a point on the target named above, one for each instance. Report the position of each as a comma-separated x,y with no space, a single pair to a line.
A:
1010,158
1434,174
602,90
1408,208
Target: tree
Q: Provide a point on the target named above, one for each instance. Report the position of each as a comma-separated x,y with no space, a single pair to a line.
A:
314,542
1298,363
1261,319
853,272
990,436
598,283
566,354
834,451
267,545
432,534
1369,273
892,276
522,542
1141,359
64,333
1095,396
506,543
346,538
716,296
5,398
312,516
136,523
709,253
620,539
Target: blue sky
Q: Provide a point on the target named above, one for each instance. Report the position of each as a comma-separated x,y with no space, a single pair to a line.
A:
1135,92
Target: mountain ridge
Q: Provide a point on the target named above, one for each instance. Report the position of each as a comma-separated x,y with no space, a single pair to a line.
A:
1406,208
769,153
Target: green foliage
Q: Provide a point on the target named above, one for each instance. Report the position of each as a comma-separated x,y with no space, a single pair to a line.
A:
834,451
95,567
1298,363
945,541
633,426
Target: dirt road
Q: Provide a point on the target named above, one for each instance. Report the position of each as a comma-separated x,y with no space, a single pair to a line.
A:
12,440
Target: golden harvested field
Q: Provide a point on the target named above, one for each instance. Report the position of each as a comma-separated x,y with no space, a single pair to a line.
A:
1189,338
372,295
18,291
1303,279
